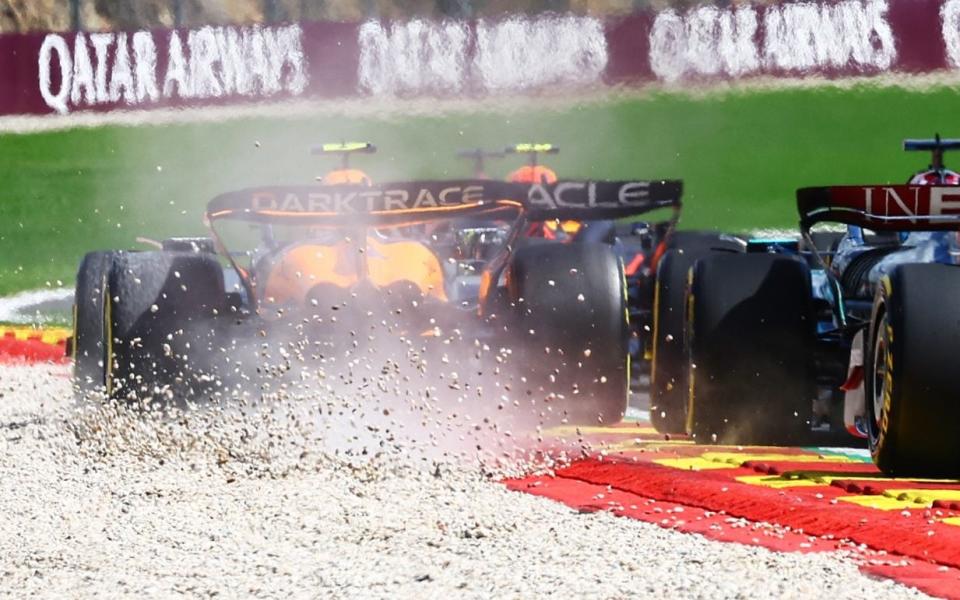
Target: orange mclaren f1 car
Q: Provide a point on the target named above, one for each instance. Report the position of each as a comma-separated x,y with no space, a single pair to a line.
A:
319,263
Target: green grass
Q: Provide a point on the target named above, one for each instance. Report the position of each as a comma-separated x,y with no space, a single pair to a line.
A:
741,154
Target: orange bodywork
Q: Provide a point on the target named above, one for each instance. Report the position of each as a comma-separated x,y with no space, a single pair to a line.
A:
393,262
533,174
298,269
346,177
560,229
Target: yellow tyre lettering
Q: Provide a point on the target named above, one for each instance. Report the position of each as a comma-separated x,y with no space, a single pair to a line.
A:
691,376
887,286
883,419
884,424
626,317
626,293
656,328
629,378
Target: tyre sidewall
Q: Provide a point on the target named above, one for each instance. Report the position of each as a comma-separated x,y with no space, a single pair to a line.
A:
571,299
668,370
881,329
90,326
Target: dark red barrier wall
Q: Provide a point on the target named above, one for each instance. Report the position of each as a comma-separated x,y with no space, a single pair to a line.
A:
49,73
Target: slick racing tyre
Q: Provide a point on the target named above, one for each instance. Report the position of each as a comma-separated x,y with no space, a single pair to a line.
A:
90,364
911,371
158,317
668,370
572,303
751,331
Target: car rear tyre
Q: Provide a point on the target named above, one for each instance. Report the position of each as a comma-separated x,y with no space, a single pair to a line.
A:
668,369
572,302
751,330
161,314
911,381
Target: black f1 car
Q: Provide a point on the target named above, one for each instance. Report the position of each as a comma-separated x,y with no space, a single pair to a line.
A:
655,256
420,257
852,334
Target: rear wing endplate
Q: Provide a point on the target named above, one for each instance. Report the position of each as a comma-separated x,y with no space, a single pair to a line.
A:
882,207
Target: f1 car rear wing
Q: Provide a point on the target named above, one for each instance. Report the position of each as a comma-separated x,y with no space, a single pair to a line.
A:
882,207
933,144
479,158
595,200
400,203
936,146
